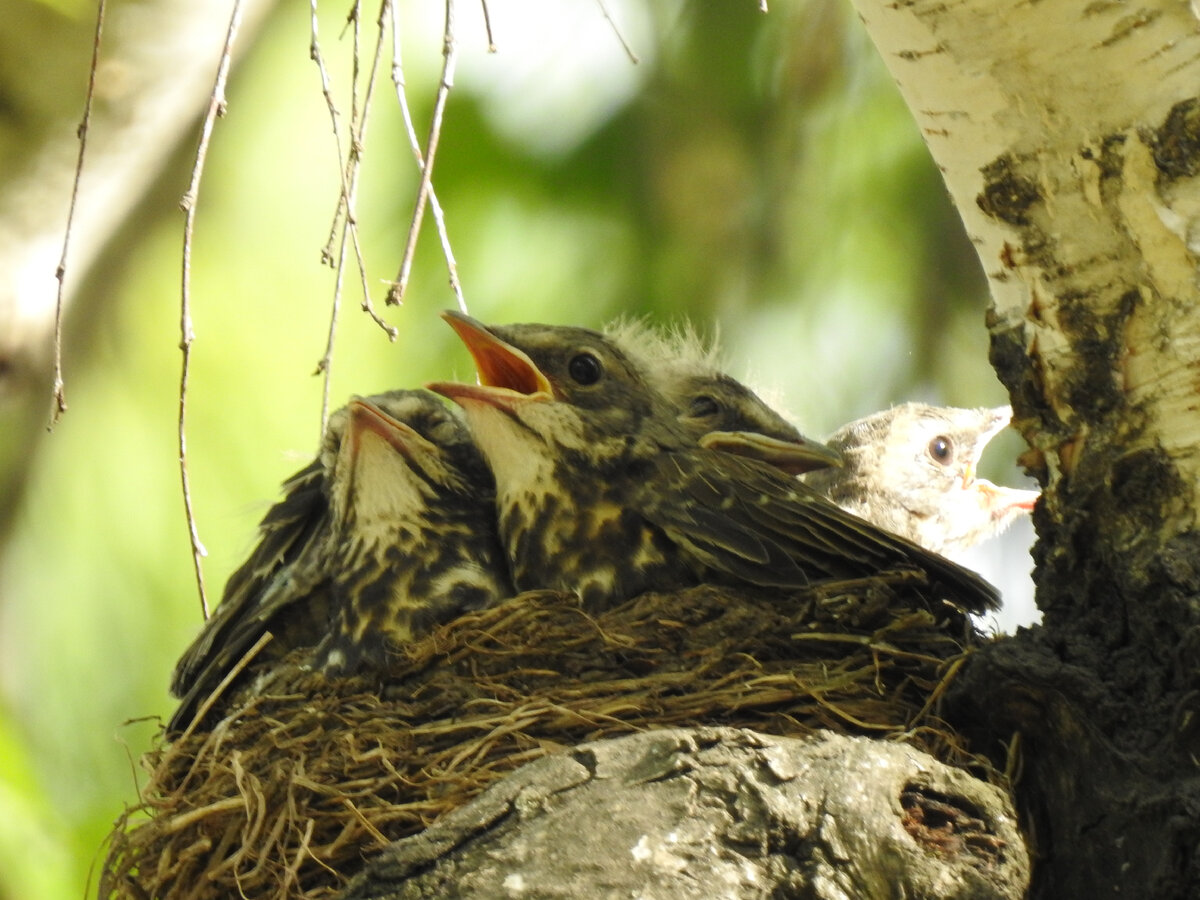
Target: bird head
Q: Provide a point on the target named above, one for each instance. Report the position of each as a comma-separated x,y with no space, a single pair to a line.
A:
390,456
922,462
954,441
571,389
716,410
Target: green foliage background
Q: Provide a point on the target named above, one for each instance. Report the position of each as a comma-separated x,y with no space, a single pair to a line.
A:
753,172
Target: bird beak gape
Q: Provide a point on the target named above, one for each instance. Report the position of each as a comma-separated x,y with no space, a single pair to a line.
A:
999,417
1000,500
367,418
507,376
498,362
793,457
968,476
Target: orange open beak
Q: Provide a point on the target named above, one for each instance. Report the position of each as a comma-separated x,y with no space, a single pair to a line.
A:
507,376
499,363
367,417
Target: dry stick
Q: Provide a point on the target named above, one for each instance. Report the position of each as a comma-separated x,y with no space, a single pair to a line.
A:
354,17
216,107
327,91
326,363
450,58
358,136
347,200
265,638
435,208
60,397
487,25
353,161
327,257
633,58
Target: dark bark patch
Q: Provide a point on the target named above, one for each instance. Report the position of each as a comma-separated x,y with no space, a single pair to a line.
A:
1112,807
1176,145
1145,485
1093,389
1020,371
1109,158
1179,562
949,825
1010,359
1007,196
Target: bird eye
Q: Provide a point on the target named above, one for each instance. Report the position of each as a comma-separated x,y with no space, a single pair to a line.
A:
585,368
941,448
704,407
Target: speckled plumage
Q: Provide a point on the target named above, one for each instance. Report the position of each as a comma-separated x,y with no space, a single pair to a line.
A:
390,531
911,469
602,491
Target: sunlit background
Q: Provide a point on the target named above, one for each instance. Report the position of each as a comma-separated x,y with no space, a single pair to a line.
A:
755,173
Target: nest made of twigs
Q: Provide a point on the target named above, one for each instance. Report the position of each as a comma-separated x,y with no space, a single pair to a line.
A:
296,784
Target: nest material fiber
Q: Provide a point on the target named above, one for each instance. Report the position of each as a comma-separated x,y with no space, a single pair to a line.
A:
298,782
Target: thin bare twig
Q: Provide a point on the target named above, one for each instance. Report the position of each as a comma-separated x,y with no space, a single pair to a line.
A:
60,396
327,91
487,25
358,137
355,19
449,61
348,169
325,366
435,208
633,57
344,162
348,198
216,107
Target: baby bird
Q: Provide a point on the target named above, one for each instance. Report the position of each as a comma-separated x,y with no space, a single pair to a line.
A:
388,532
602,491
911,469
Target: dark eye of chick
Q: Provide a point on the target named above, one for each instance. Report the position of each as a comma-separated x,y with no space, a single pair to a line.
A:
585,368
941,448
704,407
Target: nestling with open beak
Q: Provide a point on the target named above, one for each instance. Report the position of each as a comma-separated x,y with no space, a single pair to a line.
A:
912,470
387,533
602,491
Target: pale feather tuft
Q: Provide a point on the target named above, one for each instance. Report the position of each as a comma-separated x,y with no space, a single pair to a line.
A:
679,347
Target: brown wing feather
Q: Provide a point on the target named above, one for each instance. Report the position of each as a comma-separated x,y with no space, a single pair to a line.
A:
744,519
279,570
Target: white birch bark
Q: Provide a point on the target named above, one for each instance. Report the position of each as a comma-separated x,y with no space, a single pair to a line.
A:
1066,132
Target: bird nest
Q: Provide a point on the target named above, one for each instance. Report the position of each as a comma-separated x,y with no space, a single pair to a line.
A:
295,785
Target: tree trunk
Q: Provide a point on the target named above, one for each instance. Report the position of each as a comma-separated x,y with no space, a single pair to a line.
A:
1068,136
694,814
